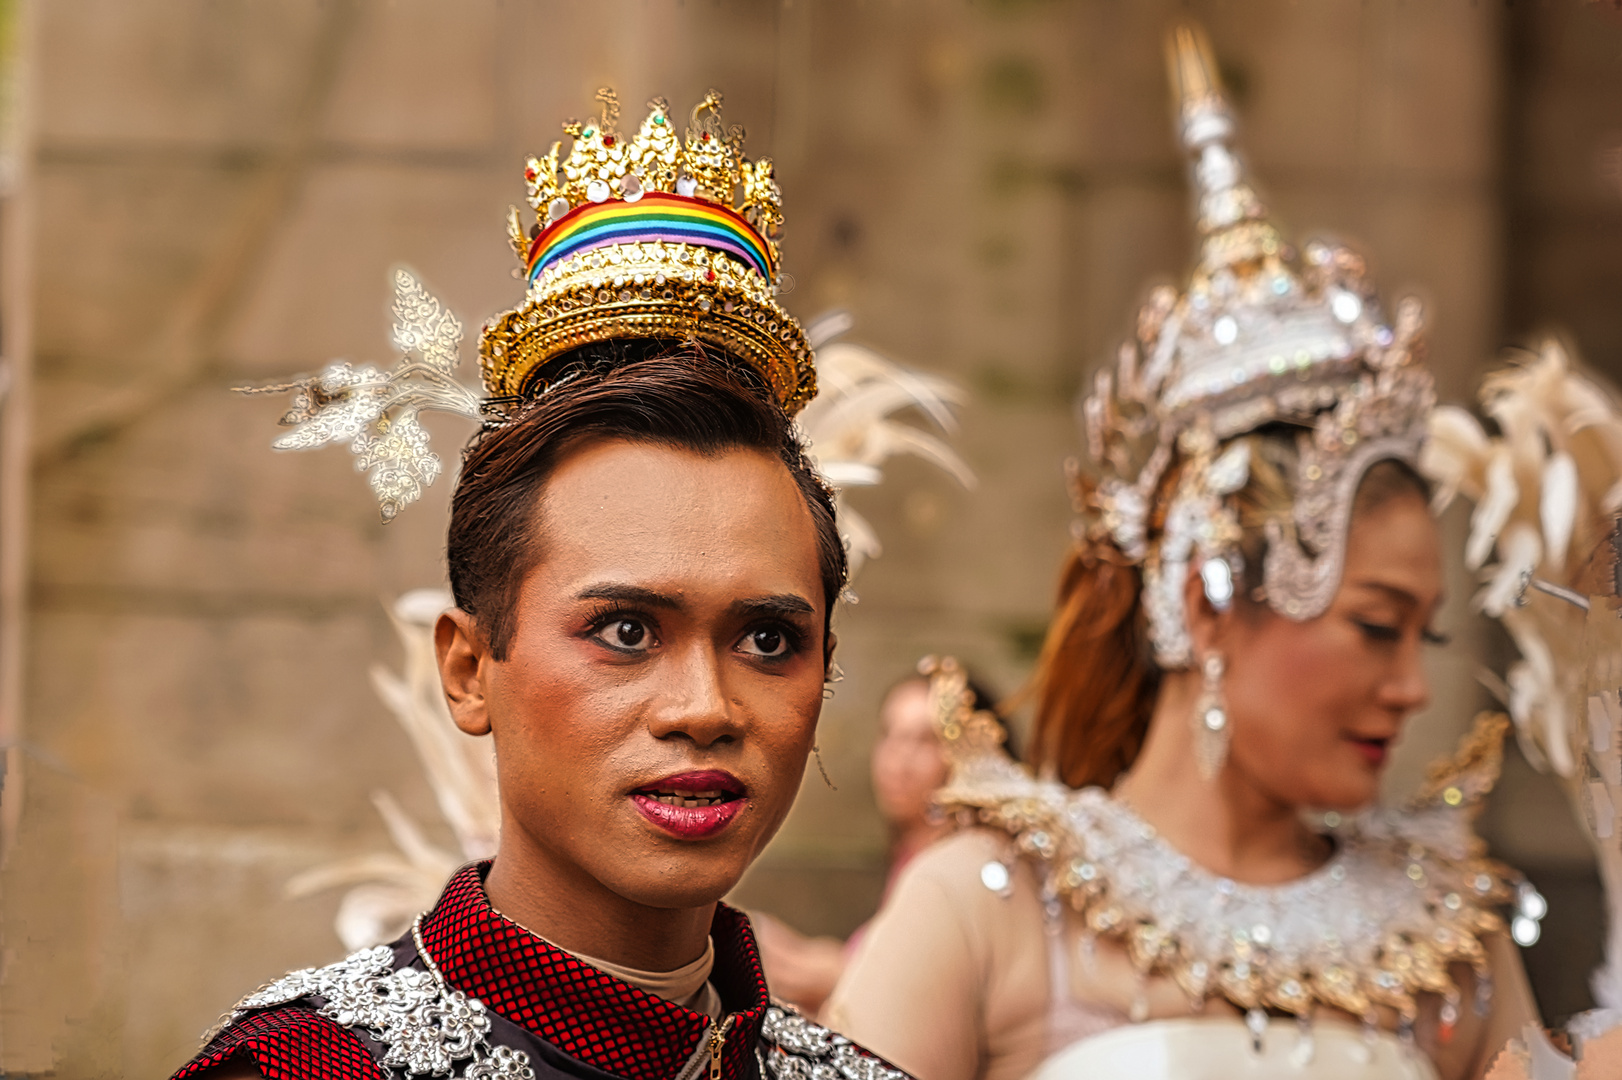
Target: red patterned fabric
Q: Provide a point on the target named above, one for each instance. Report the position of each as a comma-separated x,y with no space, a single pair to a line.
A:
290,1043
584,1012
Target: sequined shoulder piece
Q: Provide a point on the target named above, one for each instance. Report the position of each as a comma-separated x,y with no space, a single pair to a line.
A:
424,1026
1407,893
793,1047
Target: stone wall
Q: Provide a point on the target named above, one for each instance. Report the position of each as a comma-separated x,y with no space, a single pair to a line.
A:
221,189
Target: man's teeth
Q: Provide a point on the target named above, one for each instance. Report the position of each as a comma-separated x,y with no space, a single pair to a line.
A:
688,798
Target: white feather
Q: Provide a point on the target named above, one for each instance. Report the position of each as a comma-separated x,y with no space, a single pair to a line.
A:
1562,441
852,427
386,890
1497,503
1557,506
1454,455
1519,550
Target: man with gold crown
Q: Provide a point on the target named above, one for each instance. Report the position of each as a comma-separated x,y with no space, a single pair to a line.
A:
1191,881
644,563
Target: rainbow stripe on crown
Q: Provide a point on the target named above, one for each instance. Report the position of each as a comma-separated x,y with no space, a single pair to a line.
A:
656,216
652,235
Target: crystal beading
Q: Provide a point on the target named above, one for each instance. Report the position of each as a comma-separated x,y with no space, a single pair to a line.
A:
425,1027
1363,930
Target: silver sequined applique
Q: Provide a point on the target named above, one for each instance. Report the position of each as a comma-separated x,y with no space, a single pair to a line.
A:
803,1050
424,1027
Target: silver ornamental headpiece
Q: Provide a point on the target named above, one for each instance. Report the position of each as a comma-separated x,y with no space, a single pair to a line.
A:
1262,334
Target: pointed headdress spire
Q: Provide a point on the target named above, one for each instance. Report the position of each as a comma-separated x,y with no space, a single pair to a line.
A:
1261,335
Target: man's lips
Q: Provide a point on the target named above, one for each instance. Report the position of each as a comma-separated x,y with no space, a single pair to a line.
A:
692,805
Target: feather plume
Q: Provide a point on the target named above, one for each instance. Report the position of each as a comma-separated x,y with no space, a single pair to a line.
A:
1519,549
1547,490
1557,506
1497,502
386,891
851,427
1453,455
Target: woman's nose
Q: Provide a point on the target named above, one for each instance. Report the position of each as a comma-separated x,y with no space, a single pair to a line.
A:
1409,688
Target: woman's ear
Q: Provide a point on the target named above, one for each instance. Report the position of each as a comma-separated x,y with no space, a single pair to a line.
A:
462,655
1205,623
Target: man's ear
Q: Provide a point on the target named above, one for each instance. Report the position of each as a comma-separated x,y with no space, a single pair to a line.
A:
462,655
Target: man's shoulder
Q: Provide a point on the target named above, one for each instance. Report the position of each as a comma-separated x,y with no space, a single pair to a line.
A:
795,1047
284,1040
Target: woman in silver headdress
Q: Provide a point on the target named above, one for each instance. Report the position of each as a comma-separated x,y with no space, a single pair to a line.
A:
1190,884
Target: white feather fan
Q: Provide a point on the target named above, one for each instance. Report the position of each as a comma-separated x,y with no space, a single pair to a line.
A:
851,429
1546,492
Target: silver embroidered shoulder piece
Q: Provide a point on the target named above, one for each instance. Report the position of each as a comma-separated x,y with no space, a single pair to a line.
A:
375,412
795,1048
425,1027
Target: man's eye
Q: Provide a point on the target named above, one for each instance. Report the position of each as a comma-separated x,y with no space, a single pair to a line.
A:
628,635
766,641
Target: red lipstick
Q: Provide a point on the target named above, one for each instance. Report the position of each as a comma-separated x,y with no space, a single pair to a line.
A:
691,805
1374,751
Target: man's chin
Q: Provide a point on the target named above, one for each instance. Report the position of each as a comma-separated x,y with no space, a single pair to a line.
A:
674,887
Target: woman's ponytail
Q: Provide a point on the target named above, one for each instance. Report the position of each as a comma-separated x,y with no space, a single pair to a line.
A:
1095,682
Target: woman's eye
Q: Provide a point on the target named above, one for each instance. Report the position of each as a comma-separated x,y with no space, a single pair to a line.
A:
766,641
628,635
1379,631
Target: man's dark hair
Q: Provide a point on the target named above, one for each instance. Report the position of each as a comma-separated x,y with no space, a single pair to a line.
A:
660,392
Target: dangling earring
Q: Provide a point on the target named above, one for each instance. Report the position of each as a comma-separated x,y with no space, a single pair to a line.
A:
816,751
1211,731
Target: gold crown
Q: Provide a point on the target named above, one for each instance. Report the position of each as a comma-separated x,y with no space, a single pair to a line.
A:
654,236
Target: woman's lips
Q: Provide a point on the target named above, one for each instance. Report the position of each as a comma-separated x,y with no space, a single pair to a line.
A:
1373,750
691,806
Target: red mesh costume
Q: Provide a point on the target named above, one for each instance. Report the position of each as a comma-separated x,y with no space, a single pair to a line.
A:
569,1018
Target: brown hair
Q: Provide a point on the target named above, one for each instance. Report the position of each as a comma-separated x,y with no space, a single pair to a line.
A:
1096,679
667,393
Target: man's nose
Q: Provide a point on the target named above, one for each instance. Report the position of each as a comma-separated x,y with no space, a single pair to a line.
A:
694,702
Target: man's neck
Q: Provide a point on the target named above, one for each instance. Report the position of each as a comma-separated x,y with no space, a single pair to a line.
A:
579,914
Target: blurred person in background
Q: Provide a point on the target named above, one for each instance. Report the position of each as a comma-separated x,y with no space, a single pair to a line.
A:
908,766
1193,881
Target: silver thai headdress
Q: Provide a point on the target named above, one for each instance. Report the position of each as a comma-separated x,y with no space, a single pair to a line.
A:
1263,334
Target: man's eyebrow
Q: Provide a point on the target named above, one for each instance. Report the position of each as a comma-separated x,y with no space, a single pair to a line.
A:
628,594
784,604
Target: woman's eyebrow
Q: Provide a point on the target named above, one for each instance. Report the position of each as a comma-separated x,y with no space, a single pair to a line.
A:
1392,592
784,604
1396,593
629,594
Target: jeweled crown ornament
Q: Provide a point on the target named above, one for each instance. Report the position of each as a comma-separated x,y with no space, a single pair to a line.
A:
654,236
651,235
1262,334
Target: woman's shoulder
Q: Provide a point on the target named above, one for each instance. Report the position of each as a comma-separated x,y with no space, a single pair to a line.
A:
959,857
973,874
